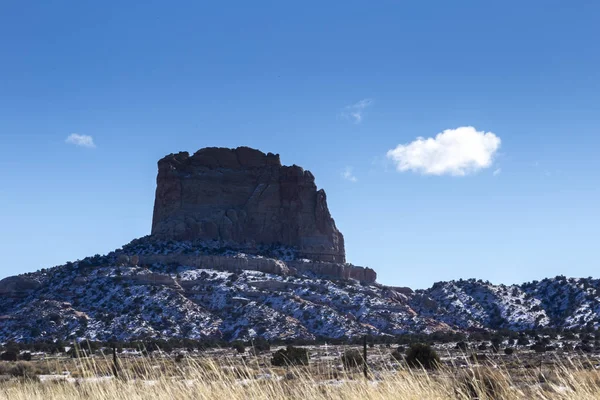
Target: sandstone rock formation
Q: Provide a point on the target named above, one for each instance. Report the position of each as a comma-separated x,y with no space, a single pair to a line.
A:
335,270
246,197
266,265
233,264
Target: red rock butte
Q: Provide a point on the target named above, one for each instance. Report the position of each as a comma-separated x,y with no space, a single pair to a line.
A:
244,197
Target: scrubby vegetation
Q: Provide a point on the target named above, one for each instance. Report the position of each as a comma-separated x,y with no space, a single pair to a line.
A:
421,355
290,356
543,363
232,377
352,359
121,294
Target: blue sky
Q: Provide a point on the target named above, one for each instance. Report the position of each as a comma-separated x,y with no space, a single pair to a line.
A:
331,86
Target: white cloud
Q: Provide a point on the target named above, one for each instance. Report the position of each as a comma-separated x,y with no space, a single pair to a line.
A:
81,140
347,175
497,171
355,111
455,152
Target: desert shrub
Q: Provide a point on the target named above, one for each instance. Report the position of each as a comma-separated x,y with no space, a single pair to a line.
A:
76,352
352,359
496,343
4,369
25,356
397,354
538,347
522,341
23,369
239,347
583,347
567,347
421,355
462,346
290,356
9,355
156,345
261,345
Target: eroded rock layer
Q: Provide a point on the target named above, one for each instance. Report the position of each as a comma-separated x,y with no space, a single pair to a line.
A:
265,265
246,197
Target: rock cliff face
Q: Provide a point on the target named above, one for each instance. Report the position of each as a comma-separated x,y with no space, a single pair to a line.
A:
246,197
233,264
265,265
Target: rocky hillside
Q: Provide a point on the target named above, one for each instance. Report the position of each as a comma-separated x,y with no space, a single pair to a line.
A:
117,295
120,296
243,246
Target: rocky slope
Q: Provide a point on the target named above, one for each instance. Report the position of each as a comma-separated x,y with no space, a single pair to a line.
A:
119,296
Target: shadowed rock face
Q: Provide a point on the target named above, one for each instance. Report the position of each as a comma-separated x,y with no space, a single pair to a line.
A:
247,197
17,286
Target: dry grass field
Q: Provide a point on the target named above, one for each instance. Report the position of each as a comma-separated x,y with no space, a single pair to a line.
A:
222,375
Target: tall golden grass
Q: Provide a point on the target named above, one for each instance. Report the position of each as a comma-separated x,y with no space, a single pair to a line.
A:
210,379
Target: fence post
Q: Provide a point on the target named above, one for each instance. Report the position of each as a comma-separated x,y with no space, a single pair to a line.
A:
365,366
115,362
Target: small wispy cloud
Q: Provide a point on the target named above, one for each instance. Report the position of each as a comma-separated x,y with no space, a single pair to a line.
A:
81,140
348,175
355,112
497,171
457,152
